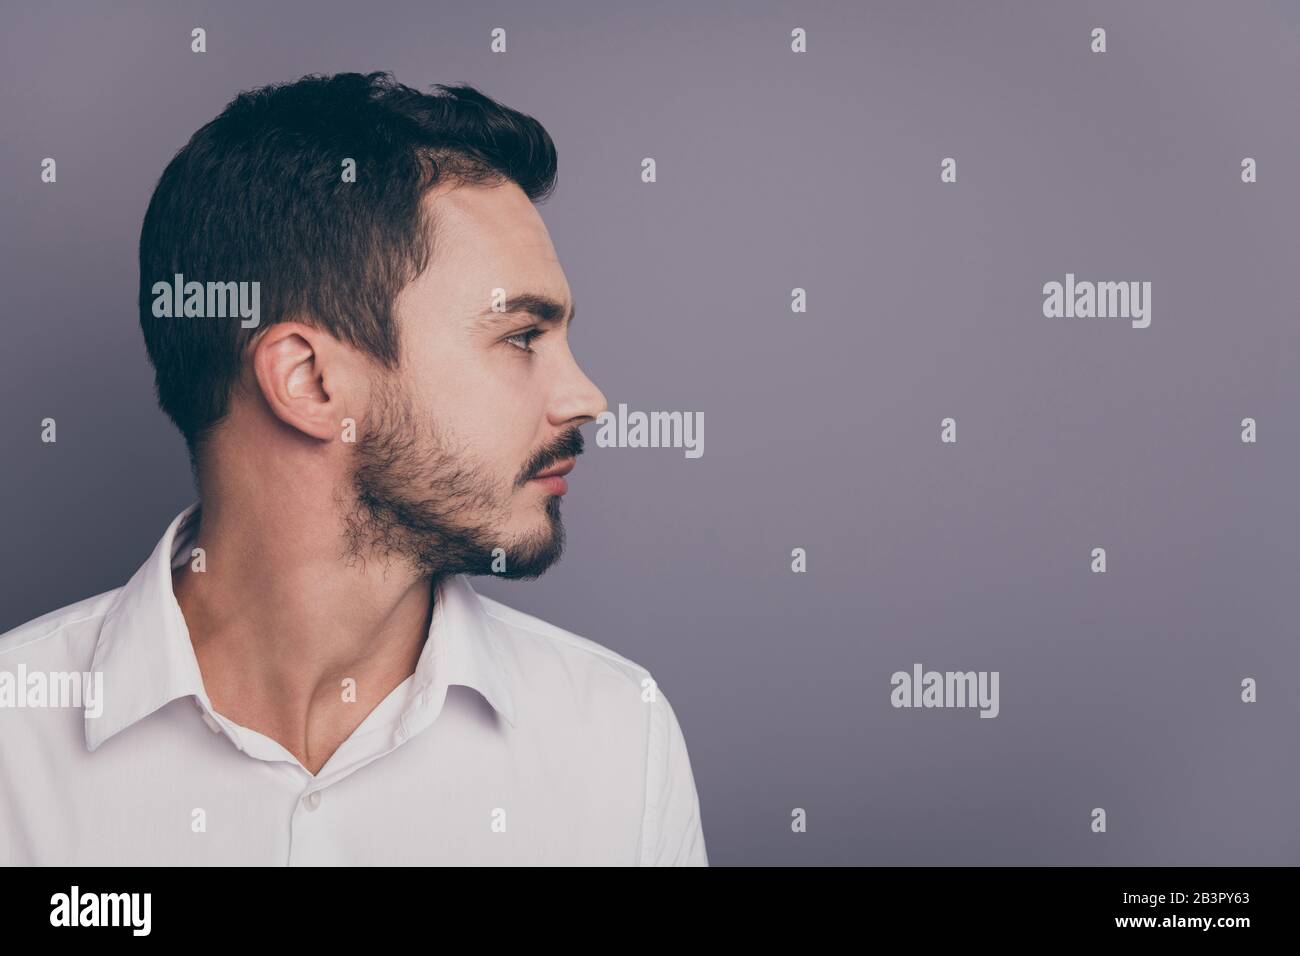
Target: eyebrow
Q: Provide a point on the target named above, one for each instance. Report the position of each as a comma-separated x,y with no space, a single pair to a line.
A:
544,308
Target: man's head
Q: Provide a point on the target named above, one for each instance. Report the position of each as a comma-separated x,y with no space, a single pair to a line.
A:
382,226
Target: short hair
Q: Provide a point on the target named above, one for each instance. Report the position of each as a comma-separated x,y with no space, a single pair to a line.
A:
259,194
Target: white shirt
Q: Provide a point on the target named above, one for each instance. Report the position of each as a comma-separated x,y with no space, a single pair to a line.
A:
514,742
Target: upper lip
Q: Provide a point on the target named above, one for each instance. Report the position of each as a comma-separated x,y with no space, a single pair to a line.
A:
563,468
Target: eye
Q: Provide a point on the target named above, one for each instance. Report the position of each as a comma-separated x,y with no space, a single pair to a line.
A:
524,340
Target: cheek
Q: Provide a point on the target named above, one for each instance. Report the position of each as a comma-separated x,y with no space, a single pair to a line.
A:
492,414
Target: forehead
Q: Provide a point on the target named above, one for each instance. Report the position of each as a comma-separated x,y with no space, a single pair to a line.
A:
487,237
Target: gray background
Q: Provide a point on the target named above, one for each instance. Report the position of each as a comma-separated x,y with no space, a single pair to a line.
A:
822,430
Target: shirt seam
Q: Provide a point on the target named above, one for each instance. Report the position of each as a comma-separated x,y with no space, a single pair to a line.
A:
55,630
645,791
612,656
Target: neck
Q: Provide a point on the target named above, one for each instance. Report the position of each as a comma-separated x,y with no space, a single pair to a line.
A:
279,622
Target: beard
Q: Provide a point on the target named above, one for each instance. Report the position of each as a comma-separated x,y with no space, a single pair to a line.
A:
417,497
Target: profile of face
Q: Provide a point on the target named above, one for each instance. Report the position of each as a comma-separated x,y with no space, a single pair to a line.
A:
482,402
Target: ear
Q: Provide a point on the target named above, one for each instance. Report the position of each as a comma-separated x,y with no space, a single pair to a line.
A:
302,374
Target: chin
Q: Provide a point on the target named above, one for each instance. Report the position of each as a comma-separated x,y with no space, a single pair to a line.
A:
535,551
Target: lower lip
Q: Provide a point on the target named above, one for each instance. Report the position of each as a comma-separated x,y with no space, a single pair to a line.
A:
555,484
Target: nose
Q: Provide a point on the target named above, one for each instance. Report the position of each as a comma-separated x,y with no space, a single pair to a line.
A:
579,401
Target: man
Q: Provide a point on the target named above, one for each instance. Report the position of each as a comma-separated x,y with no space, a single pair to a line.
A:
359,325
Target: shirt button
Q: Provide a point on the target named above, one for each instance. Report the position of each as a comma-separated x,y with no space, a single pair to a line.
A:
312,800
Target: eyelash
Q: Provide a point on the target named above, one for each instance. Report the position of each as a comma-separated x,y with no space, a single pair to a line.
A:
529,336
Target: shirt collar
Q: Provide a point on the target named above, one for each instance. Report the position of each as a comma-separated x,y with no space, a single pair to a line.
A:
145,654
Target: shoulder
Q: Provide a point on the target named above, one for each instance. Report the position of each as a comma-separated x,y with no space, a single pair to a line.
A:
71,629
614,710
571,687
533,641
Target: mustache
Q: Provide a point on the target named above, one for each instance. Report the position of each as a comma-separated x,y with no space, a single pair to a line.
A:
568,445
